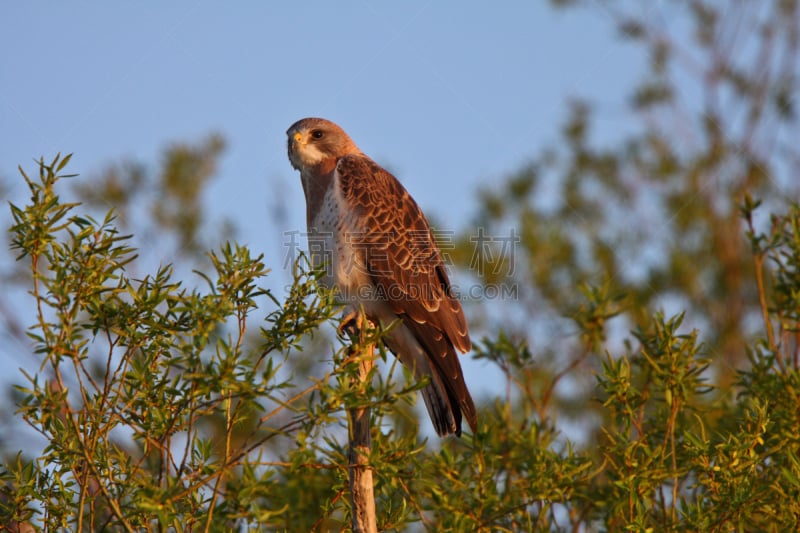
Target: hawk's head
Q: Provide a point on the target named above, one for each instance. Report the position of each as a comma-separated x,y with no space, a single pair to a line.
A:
313,141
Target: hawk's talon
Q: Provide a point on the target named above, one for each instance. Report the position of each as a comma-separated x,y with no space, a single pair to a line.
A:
350,324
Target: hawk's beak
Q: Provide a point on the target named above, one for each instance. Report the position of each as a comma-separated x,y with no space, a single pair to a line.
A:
295,141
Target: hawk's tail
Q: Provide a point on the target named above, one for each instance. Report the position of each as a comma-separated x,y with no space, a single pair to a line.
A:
427,352
446,403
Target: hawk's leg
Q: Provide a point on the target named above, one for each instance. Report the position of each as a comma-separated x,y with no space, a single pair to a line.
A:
351,322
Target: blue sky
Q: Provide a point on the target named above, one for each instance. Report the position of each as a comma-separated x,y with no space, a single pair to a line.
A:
450,97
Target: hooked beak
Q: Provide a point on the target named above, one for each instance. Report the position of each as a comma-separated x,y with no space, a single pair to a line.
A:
292,143
294,140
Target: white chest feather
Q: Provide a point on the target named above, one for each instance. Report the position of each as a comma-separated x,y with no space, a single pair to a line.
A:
333,238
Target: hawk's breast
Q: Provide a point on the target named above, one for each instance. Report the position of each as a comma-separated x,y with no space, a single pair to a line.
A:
333,241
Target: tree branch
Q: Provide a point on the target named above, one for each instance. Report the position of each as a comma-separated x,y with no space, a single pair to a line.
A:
362,495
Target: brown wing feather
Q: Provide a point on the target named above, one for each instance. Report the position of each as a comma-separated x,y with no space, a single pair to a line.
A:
407,269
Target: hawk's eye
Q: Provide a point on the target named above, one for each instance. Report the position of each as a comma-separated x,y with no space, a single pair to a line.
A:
317,134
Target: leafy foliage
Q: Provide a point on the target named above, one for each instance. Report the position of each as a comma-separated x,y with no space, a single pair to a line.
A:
170,367
157,413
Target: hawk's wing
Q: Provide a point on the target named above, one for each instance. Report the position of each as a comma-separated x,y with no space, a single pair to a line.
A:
407,270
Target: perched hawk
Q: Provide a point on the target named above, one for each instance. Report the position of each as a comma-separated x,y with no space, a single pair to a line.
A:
380,253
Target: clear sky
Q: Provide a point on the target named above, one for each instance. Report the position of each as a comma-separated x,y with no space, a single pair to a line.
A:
450,96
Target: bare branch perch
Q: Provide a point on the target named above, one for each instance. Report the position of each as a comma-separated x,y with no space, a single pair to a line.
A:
362,495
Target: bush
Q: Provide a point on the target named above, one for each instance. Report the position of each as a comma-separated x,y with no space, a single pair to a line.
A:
159,412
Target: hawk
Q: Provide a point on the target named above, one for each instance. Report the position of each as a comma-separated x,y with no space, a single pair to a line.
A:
380,256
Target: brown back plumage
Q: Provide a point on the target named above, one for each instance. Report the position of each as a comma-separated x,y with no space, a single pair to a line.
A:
407,269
